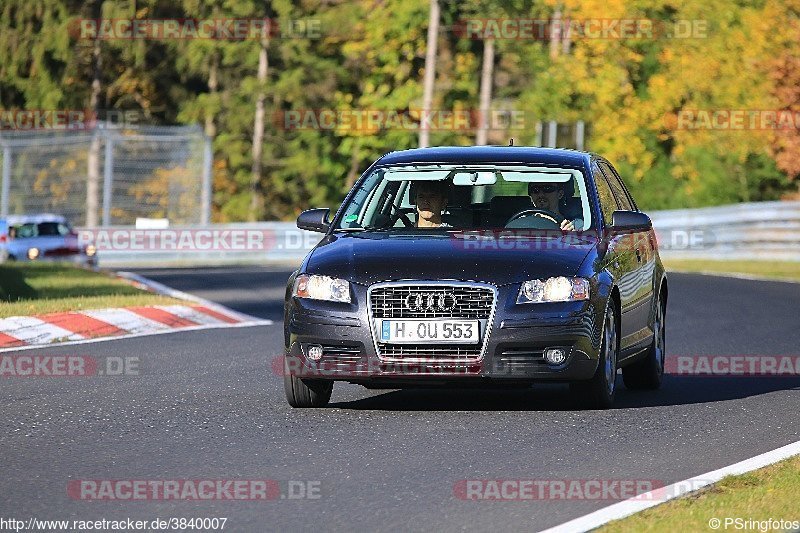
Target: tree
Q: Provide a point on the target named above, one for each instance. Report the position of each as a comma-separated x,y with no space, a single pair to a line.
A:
430,72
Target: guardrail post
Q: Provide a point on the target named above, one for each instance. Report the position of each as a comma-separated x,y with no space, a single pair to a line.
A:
552,128
108,177
205,195
579,134
5,189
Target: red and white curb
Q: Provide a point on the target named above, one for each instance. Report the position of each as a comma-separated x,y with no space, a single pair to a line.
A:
80,327
651,499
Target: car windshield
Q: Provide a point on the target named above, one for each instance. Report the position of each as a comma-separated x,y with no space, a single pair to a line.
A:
458,197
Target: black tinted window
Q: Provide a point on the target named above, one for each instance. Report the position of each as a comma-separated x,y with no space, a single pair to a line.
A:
49,229
25,231
617,188
42,229
607,202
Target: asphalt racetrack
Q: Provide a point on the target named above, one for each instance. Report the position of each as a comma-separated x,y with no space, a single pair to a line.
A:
208,405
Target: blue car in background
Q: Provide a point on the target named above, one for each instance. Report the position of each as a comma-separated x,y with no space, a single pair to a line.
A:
43,237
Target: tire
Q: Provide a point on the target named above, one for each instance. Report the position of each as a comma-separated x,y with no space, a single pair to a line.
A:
648,373
306,392
599,392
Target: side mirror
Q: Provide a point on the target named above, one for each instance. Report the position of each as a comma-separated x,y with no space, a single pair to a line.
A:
630,222
314,220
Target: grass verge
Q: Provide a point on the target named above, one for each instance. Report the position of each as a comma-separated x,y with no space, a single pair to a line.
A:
765,269
767,493
40,288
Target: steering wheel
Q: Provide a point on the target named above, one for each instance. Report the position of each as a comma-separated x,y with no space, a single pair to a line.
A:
399,215
544,214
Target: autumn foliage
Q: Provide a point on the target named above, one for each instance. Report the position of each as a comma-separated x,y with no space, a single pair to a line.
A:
631,91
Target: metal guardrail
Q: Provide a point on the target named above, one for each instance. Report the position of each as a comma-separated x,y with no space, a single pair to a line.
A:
277,242
768,231
762,231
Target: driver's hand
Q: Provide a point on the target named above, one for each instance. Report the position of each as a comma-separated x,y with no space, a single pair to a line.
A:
567,225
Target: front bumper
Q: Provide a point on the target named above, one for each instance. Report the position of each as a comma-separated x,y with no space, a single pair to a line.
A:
514,352
76,259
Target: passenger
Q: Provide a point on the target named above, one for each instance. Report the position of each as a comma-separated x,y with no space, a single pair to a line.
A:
431,200
549,196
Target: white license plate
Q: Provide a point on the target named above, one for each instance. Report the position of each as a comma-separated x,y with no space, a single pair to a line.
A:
428,331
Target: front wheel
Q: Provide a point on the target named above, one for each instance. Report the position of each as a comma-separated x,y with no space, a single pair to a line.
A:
599,392
649,372
306,392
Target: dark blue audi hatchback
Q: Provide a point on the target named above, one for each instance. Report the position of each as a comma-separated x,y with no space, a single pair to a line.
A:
478,266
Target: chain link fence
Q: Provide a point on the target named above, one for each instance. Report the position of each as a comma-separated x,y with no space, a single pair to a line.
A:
108,175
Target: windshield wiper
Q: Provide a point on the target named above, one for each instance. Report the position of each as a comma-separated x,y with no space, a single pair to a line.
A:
365,228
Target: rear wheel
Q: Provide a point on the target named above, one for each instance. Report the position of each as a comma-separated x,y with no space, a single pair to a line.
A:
599,392
306,392
649,372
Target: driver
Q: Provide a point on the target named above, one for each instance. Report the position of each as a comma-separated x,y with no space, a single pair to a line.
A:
431,200
548,196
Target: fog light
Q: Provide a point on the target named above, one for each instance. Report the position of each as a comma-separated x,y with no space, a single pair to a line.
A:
33,253
315,352
555,356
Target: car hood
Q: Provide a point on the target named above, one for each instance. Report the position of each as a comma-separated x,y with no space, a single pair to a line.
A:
370,257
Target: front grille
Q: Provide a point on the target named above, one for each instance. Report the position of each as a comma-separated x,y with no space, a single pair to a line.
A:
468,302
443,351
471,302
60,252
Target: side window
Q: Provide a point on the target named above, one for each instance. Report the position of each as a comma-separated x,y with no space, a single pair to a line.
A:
623,200
607,203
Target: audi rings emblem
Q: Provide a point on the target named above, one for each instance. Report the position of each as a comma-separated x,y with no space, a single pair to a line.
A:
431,301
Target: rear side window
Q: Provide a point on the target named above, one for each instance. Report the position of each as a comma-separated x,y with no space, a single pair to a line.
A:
52,229
607,202
26,231
623,199
42,229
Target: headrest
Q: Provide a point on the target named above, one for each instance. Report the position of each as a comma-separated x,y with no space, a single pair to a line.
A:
445,187
509,203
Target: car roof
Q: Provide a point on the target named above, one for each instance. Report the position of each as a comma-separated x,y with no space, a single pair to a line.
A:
15,220
487,154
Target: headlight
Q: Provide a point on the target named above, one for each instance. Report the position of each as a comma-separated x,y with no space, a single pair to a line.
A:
33,253
322,288
91,250
558,289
